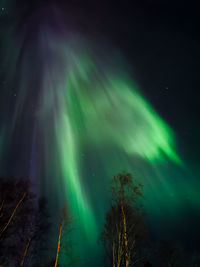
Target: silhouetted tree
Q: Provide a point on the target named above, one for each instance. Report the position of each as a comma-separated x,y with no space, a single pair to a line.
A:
65,246
170,255
24,224
39,240
124,227
16,218
195,259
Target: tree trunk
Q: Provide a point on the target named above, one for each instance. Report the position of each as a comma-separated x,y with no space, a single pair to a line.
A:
113,252
13,213
127,253
25,251
58,249
120,248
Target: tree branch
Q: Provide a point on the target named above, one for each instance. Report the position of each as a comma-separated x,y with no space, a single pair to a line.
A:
13,213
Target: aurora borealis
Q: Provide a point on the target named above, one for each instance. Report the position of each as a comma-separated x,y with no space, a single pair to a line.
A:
77,117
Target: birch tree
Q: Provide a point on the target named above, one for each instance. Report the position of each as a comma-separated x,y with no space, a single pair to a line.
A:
123,226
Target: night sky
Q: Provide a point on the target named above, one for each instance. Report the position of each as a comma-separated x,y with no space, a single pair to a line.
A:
80,82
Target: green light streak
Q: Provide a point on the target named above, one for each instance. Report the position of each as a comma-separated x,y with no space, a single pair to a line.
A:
111,110
85,102
98,109
78,203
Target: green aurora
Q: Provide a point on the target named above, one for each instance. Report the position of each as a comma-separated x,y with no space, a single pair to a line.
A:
90,123
100,109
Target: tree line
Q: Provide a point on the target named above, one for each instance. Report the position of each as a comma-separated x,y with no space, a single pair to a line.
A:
26,228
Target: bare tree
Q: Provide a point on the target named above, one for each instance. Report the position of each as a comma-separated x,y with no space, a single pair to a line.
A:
170,254
16,216
195,260
24,223
65,246
37,244
123,226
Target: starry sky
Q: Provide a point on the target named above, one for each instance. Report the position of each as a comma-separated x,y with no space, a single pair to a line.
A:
142,57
